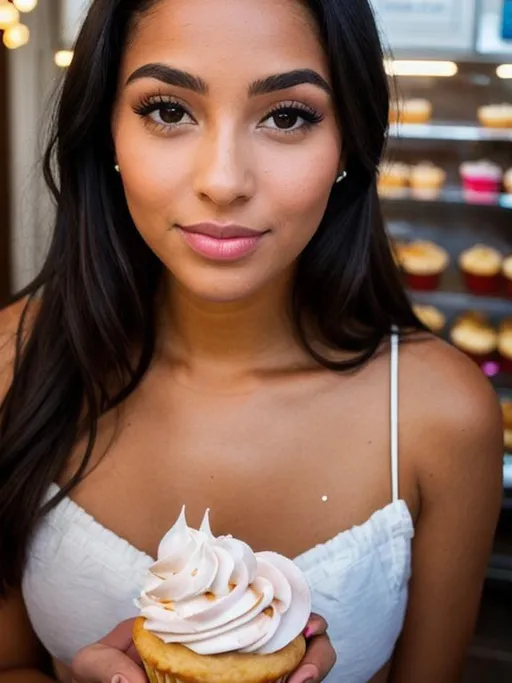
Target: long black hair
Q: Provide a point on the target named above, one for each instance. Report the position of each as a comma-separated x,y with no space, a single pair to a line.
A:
91,335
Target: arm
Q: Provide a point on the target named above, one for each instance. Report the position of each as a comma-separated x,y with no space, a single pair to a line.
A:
22,657
457,447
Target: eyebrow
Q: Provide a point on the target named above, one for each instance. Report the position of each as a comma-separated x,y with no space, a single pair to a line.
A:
274,83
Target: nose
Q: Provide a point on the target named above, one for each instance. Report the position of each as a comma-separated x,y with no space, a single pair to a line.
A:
223,174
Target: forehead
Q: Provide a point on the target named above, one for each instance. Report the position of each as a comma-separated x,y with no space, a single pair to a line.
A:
228,37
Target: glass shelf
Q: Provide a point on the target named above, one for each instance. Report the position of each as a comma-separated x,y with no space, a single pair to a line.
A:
449,131
450,195
507,471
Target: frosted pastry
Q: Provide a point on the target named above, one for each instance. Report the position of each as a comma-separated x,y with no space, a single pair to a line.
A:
212,610
481,268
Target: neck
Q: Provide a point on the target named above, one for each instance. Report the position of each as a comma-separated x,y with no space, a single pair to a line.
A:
238,337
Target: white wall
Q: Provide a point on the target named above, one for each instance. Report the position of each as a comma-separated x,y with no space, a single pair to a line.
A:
32,78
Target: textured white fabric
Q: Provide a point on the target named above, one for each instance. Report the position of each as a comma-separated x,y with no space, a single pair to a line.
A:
81,579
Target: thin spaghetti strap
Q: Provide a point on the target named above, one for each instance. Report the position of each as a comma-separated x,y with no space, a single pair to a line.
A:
394,413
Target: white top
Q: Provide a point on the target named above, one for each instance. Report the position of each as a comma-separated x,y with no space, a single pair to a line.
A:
81,578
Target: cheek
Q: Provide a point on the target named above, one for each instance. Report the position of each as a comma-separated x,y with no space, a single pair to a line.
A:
149,177
300,190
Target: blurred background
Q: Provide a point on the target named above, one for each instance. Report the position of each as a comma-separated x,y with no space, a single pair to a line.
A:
446,188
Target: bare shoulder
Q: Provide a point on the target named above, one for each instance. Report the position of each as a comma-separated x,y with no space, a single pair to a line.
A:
10,319
450,414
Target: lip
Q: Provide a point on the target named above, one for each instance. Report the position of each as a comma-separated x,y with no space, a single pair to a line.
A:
220,231
217,242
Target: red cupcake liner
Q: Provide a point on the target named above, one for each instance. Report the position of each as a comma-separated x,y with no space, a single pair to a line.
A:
423,283
507,287
482,284
485,185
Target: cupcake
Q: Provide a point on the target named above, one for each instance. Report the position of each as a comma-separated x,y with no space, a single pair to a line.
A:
423,264
427,180
506,411
416,111
481,180
473,334
431,317
496,115
481,269
505,345
393,179
506,270
507,181
214,611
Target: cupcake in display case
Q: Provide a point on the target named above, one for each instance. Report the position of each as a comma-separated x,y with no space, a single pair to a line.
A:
426,180
423,264
507,181
213,611
495,115
393,179
506,270
505,345
416,110
506,411
481,269
431,317
481,180
474,334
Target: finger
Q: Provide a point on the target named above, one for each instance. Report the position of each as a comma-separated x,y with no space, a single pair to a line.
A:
316,626
101,664
318,661
121,637
113,655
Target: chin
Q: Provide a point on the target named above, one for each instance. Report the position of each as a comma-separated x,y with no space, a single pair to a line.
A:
221,289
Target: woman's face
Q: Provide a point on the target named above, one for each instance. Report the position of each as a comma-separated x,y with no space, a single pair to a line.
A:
227,140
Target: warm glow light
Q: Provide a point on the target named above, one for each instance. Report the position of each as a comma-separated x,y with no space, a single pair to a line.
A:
25,5
9,15
16,36
420,68
63,58
504,71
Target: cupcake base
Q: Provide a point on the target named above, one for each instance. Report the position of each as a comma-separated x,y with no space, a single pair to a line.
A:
423,283
157,677
174,663
482,284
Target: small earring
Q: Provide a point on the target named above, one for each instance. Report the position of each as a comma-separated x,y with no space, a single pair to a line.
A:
341,177
117,168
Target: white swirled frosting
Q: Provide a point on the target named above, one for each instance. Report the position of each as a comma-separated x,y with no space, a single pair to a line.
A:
214,594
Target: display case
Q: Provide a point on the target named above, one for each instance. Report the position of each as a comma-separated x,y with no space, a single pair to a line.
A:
456,216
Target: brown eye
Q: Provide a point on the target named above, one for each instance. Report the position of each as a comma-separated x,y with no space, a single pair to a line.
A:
285,119
171,113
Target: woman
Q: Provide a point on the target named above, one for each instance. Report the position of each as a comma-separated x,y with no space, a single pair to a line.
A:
214,326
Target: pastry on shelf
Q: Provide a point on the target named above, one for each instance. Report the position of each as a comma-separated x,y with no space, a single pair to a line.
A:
495,115
505,344
423,264
416,110
506,270
431,317
507,181
481,180
506,411
473,334
427,180
393,179
481,269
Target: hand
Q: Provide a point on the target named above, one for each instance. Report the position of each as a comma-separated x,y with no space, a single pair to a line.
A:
113,656
320,656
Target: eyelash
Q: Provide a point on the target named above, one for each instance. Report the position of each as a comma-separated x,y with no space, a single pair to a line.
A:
153,103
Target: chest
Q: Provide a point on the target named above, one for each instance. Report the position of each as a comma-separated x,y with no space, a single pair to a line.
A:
283,465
